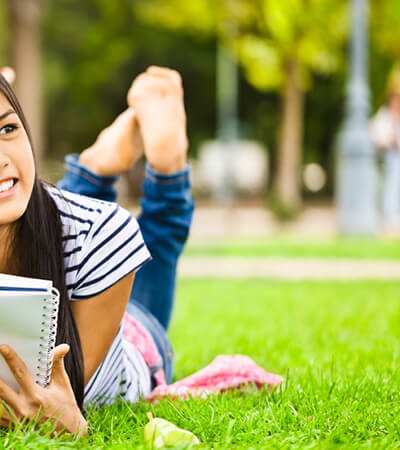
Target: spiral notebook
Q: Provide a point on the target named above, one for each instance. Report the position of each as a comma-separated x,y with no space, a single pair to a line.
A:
28,324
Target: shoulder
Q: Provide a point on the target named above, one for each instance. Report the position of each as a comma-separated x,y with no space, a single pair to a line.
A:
85,214
102,243
77,206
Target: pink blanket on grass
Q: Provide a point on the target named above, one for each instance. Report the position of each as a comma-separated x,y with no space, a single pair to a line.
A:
224,373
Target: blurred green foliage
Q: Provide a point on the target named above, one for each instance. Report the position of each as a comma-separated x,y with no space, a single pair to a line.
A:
385,41
267,36
3,32
92,50
275,32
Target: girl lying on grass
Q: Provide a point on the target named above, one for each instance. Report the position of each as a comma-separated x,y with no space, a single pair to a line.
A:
92,249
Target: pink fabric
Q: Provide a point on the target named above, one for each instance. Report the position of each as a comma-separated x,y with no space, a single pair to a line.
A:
137,334
225,372
159,376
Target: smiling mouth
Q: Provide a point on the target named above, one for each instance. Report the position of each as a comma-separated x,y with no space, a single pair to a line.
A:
7,185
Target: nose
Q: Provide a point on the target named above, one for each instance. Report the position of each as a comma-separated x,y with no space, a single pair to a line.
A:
4,161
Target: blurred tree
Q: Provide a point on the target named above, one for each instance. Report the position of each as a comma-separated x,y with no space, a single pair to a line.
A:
280,44
3,33
198,16
385,24
385,43
86,45
93,49
24,44
92,52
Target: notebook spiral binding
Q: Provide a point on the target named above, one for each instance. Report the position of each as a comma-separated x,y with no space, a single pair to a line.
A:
48,339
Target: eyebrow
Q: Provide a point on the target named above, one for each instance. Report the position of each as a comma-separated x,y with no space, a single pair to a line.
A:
6,114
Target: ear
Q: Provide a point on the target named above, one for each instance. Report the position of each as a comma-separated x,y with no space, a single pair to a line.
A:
8,73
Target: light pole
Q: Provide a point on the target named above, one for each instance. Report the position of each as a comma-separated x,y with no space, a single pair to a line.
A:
356,171
227,105
227,100
26,60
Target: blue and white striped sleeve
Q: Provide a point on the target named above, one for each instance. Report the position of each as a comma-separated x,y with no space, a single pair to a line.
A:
113,248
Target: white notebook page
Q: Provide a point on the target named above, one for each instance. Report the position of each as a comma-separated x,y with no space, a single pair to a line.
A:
22,282
20,327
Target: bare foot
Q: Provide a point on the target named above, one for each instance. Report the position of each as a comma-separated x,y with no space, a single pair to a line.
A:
157,98
117,147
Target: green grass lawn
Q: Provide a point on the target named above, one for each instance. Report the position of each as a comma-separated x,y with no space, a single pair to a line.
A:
337,345
281,246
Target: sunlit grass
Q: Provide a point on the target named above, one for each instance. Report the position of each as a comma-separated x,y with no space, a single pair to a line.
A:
306,247
337,345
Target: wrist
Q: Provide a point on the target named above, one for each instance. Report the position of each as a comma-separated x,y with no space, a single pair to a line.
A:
79,423
82,428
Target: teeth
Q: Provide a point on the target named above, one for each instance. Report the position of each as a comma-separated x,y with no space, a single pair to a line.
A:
7,185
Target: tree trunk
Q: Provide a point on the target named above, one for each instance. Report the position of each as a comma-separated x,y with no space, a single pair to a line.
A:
25,59
287,181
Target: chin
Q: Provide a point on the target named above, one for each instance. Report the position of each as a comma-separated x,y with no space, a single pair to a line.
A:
12,215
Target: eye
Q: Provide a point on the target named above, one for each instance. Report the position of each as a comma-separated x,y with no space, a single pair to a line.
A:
7,129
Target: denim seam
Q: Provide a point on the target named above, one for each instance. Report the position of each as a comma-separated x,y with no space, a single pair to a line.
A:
167,181
151,171
85,175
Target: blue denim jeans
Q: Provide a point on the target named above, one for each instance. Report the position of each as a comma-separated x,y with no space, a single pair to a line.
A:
165,219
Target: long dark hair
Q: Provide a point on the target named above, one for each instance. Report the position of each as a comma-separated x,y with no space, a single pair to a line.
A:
37,244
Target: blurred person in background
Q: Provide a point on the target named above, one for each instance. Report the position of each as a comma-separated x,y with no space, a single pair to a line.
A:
385,133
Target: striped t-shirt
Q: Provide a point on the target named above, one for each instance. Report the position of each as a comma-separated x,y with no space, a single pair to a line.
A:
103,244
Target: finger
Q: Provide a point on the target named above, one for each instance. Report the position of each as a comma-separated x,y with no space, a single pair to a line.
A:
58,372
7,415
8,73
8,395
18,368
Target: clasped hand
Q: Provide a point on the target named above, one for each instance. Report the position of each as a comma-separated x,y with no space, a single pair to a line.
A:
55,403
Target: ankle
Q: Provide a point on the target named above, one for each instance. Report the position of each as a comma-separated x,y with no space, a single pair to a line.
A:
90,160
168,156
169,168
